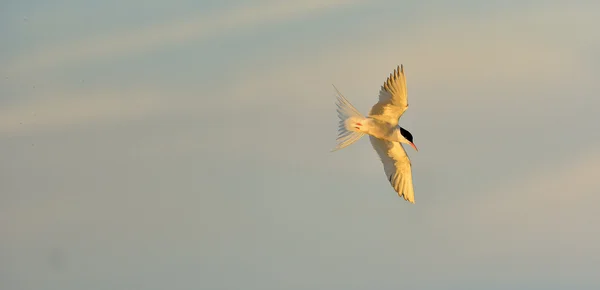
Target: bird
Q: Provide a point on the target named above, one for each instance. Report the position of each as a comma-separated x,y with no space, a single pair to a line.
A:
386,136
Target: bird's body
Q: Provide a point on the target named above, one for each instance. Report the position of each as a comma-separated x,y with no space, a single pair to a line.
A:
377,128
384,133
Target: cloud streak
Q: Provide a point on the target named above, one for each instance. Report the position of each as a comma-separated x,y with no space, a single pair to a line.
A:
464,59
198,27
72,108
544,214
441,53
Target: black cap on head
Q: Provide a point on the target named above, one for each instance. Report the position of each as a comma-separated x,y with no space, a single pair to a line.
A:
406,134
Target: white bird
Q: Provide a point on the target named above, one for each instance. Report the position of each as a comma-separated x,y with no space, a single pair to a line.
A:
382,127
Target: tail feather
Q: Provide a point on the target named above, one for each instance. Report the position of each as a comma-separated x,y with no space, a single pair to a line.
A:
346,111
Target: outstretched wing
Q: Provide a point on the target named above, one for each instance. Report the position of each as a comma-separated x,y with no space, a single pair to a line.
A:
396,165
392,98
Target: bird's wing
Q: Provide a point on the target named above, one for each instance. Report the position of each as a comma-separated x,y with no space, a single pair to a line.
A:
396,165
392,98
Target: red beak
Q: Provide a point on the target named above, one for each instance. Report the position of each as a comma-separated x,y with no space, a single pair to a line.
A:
413,146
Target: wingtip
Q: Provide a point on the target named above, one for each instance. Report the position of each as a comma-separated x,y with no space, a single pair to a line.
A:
399,70
336,89
409,199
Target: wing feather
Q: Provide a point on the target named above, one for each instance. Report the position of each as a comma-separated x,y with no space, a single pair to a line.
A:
393,99
396,165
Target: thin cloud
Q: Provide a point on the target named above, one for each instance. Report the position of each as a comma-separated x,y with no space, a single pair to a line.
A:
72,108
546,212
266,87
549,190
197,28
442,53
421,51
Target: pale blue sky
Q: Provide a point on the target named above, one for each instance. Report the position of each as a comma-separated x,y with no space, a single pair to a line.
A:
185,145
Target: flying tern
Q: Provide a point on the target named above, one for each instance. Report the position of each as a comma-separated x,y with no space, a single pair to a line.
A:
382,127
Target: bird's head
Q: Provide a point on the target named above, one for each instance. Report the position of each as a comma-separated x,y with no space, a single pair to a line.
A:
408,138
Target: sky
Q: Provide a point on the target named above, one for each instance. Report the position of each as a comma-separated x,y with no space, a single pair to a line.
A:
186,145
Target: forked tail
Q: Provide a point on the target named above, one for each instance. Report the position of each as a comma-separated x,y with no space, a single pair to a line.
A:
345,110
